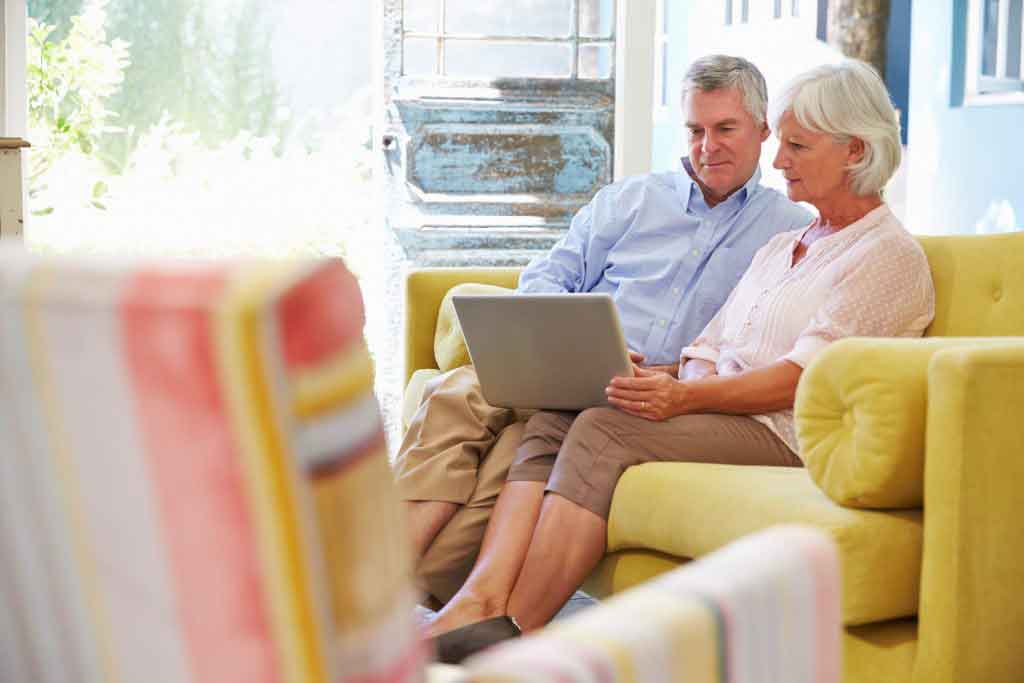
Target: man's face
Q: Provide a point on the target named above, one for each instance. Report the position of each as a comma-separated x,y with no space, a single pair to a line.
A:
724,140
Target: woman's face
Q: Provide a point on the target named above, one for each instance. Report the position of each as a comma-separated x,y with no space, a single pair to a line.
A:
814,163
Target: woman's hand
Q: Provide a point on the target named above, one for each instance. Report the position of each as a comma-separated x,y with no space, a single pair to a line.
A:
650,394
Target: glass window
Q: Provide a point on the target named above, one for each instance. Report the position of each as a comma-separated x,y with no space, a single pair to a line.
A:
511,39
595,61
994,44
419,56
597,18
483,59
550,18
990,39
422,17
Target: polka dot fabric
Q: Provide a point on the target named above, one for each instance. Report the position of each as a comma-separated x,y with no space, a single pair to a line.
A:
870,279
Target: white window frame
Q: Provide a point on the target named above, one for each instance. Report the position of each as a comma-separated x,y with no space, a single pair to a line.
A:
13,117
574,39
983,89
13,84
634,86
662,96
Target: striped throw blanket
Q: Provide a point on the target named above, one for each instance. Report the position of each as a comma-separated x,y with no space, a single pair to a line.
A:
764,609
193,479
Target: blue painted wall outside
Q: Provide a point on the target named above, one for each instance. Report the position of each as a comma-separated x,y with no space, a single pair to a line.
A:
897,59
966,162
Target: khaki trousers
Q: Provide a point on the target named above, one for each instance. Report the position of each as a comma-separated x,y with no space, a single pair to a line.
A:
581,456
458,449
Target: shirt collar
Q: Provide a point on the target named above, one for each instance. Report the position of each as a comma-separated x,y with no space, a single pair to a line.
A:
687,186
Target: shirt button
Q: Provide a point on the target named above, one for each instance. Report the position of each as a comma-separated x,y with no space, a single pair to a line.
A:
662,323
695,252
675,290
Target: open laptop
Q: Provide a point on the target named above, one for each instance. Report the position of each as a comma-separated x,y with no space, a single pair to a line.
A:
550,351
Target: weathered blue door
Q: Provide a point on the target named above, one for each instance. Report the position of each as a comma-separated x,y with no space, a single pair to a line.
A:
498,123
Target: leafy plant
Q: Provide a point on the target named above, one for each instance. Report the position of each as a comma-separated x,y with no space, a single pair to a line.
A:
69,82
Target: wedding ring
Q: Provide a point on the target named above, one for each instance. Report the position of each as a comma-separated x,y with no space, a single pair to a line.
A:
643,405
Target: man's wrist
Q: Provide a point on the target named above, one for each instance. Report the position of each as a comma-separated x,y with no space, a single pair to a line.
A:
669,369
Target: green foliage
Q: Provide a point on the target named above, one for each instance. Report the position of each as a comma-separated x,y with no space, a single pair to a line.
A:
56,13
69,82
206,65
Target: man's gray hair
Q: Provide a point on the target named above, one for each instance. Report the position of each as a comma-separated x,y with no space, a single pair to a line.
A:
848,100
718,72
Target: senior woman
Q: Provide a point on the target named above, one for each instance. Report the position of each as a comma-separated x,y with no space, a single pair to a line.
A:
853,271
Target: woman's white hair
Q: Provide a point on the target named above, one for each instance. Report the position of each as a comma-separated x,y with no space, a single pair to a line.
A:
848,100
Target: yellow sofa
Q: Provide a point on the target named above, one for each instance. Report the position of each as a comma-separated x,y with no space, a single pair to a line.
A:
915,466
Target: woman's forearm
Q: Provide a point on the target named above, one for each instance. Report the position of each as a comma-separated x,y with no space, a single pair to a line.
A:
762,390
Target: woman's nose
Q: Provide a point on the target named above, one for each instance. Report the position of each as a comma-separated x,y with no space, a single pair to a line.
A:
780,160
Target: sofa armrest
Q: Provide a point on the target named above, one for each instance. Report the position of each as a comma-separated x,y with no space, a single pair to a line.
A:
424,290
860,417
972,609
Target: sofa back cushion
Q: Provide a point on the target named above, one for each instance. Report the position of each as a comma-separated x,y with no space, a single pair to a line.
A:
449,345
979,284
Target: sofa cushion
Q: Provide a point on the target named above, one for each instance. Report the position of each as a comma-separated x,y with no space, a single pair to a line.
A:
860,418
449,347
702,507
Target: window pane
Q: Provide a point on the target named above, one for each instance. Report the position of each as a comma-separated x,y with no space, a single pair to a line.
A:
550,18
595,61
1014,39
421,16
507,60
990,38
597,17
419,57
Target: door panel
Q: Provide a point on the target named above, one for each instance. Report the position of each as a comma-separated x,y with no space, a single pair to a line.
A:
491,170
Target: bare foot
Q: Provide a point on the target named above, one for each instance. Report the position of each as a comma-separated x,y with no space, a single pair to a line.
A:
461,610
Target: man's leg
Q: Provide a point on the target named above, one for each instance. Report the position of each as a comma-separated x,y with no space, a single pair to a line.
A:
425,518
445,565
436,467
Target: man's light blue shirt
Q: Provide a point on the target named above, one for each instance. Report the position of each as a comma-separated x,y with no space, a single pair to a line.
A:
667,259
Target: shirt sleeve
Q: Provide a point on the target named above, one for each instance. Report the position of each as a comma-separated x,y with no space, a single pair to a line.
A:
888,293
564,267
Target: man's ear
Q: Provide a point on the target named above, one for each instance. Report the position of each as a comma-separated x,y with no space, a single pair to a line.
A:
856,150
765,131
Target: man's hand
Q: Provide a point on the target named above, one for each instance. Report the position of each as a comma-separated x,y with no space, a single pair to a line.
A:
638,360
650,394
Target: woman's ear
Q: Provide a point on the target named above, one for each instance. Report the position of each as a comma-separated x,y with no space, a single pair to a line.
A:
856,150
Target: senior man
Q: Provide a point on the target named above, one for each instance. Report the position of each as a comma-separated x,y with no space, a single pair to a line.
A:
668,248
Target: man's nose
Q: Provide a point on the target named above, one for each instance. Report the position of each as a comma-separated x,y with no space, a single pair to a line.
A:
710,143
